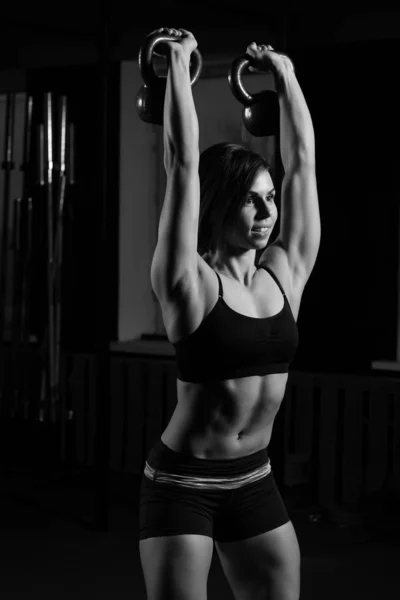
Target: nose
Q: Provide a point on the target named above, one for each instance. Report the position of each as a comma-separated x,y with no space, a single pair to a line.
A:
264,210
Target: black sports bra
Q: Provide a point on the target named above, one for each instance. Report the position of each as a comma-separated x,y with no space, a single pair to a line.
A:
229,345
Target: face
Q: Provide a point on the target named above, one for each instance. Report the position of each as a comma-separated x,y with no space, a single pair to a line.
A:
257,215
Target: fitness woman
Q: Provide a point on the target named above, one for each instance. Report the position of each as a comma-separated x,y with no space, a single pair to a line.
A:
208,480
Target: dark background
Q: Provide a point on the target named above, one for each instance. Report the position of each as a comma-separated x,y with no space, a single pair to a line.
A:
346,61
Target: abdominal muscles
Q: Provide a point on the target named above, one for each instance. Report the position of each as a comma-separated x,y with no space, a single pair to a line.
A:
225,419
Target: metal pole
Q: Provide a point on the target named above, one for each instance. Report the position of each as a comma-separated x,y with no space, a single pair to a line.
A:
26,294
22,223
16,303
8,166
58,244
48,110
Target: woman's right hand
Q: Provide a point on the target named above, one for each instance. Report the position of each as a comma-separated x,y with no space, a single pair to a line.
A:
186,41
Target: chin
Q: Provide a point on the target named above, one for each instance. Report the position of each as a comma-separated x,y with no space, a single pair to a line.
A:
262,242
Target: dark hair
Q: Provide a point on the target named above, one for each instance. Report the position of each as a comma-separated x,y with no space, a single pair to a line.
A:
226,173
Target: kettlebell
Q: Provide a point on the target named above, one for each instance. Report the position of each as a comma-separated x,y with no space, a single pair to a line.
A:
260,113
150,98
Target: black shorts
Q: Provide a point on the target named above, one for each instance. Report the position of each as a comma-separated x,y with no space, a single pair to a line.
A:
227,500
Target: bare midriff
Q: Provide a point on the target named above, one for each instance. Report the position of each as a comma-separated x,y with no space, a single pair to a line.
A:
225,419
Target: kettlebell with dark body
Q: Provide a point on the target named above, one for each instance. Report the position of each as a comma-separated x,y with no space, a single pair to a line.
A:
260,113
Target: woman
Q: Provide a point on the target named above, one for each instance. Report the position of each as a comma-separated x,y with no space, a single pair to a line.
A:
233,325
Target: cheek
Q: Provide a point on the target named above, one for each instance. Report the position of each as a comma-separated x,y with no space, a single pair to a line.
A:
236,225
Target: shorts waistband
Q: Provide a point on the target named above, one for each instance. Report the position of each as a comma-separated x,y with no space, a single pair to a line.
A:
167,466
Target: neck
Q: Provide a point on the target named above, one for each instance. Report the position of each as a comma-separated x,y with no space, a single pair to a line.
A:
241,267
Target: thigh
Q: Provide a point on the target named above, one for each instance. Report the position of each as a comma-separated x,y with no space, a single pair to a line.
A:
267,565
169,510
176,566
251,510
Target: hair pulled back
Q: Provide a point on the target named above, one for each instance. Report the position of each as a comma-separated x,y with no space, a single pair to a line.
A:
226,173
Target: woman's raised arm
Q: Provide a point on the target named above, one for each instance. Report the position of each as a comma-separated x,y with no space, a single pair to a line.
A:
175,258
300,229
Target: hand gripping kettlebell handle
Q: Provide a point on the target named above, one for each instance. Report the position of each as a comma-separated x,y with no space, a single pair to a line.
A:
146,65
235,79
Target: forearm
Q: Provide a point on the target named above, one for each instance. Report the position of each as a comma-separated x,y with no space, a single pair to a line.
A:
297,141
181,127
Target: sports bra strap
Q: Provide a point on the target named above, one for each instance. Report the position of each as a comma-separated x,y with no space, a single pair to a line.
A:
274,277
220,290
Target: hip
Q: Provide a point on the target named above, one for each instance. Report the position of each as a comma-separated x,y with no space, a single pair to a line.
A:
164,465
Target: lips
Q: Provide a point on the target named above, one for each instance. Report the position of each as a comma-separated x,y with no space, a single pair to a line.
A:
258,227
261,233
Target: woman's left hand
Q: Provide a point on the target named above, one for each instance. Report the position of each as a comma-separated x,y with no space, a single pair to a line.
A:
264,59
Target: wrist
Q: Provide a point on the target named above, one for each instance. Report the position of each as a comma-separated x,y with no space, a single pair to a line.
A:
178,62
283,73
178,54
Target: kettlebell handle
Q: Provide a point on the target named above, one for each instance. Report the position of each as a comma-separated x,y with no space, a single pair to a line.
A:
146,63
235,80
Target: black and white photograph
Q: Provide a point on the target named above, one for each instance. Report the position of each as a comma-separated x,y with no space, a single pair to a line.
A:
199,300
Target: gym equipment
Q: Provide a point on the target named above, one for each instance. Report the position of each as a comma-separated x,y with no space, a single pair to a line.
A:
22,250
16,304
56,171
260,114
150,98
27,261
58,245
49,172
8,167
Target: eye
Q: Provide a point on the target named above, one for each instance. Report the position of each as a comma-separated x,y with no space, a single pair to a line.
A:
250,199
